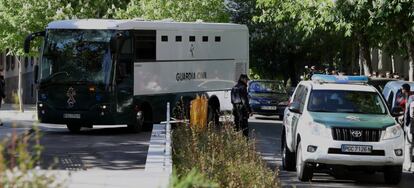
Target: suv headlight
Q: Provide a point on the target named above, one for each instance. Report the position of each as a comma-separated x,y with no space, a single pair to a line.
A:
318,129
392,132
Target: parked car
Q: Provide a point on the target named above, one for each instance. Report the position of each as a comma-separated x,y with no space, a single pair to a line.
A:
268,97
379,83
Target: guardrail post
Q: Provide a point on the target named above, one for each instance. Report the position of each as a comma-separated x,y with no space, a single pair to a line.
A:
168,139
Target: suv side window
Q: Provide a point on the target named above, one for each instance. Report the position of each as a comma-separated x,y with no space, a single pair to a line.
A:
296,97
302,98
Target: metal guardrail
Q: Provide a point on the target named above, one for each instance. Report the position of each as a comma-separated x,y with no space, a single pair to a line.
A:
159,159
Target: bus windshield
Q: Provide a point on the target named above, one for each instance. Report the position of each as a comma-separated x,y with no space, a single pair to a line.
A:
76,56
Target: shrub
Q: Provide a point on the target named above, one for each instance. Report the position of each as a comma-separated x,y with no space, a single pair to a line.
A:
222,155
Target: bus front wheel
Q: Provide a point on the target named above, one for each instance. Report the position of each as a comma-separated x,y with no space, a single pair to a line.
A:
73,128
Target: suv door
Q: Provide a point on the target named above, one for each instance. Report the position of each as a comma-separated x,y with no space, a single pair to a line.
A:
292,118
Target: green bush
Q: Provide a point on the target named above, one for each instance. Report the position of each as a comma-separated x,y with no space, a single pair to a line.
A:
222,155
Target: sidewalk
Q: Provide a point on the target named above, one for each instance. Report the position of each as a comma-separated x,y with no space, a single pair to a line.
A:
16,121
10,112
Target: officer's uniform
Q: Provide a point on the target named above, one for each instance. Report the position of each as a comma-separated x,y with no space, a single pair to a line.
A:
241,107
409,132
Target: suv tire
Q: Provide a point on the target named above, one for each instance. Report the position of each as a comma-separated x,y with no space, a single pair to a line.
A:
288,157
303,170
392,174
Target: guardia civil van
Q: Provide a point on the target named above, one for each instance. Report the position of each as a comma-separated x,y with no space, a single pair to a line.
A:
104,72
340,122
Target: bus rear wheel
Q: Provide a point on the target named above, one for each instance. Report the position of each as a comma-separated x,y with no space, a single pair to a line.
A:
73,128
136,125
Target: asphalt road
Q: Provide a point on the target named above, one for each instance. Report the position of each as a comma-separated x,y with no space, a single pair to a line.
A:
267,132
112,148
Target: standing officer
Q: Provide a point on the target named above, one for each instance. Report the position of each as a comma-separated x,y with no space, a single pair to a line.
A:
241,107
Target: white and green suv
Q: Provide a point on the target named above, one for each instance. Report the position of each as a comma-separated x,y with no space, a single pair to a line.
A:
340,122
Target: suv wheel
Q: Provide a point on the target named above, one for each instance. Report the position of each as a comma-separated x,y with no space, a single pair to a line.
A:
392,174
288,157
303,170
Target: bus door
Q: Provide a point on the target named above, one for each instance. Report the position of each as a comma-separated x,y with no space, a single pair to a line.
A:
124,75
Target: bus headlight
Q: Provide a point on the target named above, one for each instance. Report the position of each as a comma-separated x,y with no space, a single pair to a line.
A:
392,132
318,129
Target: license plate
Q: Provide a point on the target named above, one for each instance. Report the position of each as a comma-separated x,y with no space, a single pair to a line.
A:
269,107
71,116
356,149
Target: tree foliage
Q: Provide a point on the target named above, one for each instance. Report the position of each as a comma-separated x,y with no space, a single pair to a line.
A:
178,10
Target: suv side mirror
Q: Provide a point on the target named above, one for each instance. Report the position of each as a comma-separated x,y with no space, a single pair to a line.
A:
295,107
397,111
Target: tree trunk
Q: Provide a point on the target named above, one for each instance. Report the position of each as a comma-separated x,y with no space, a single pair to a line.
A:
411,63
20,89
365,54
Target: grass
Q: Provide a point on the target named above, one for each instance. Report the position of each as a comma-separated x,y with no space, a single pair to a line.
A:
222,157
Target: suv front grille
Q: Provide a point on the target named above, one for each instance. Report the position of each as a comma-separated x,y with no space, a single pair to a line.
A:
358,135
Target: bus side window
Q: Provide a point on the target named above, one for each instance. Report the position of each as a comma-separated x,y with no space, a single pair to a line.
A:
145,45
125,63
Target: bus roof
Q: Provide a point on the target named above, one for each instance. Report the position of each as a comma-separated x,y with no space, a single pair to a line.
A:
139,24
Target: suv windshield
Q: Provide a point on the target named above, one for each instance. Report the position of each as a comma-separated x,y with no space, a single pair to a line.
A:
341,101
266,87
76,55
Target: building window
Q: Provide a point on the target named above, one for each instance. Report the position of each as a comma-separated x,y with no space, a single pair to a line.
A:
217,39
26,61
192,38
12,62
205,38
178,38
164,38
1,62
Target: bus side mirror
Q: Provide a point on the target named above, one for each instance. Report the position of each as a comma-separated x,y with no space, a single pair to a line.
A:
115,42
36,73
29,39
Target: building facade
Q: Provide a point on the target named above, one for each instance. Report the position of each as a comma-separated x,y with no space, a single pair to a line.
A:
9,68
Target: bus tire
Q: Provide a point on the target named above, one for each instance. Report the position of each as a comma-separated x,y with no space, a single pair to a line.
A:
73,128
137,123
148,118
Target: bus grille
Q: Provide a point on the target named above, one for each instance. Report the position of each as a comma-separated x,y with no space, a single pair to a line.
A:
358,135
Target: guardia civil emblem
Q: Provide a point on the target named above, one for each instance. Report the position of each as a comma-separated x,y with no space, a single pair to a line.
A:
71,93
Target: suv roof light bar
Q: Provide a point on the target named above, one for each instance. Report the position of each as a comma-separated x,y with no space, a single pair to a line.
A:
339,79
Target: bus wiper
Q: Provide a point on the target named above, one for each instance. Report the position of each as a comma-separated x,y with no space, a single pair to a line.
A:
56,74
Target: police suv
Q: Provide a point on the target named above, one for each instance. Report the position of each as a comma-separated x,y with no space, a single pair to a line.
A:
339,122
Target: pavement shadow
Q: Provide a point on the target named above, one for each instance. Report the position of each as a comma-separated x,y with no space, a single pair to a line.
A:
102,148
